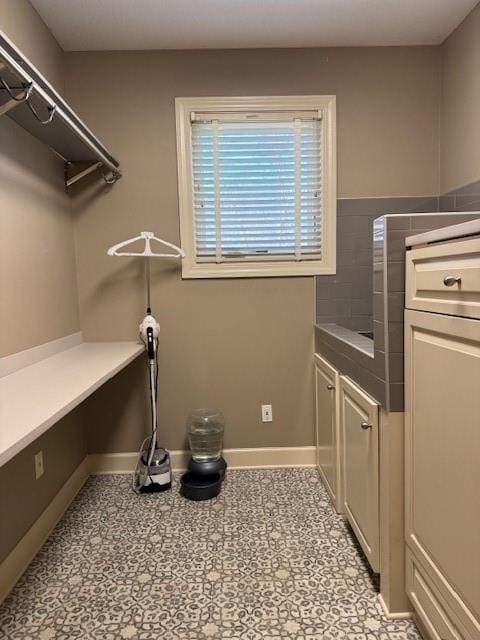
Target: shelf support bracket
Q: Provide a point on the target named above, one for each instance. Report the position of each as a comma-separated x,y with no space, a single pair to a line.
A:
82,174
7,106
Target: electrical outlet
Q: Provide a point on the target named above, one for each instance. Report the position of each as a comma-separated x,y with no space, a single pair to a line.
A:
267,415
39,470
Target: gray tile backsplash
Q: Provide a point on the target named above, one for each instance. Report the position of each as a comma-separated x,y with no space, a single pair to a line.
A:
380,206
353,284
371,295
466,198
396,276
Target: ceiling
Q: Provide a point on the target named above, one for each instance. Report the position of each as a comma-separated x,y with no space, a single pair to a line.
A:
86,25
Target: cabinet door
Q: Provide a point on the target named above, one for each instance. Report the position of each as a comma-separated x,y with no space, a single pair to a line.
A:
442,419
326,427
359,429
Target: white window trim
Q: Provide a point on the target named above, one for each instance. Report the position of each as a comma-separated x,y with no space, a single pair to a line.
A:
191,268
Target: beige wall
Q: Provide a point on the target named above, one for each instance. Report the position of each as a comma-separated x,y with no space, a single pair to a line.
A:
460,105
38,291
22,498
231,344
38,294
22,24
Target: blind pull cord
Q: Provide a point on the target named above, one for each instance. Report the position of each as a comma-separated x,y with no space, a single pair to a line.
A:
218,211
298,189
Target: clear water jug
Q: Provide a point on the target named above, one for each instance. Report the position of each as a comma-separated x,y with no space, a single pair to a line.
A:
205,429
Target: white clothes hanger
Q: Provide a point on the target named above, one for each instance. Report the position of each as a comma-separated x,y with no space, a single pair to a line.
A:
148,236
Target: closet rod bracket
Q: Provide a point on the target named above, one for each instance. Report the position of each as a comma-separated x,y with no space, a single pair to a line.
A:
109,178
81,174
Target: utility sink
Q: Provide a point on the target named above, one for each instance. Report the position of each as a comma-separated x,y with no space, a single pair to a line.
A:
367,334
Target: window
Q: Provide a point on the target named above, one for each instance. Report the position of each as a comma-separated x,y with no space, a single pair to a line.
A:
257,185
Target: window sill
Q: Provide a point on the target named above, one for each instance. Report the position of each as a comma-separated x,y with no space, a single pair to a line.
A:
256,270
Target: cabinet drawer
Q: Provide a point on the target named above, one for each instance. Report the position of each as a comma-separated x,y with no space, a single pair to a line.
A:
428,606
445,278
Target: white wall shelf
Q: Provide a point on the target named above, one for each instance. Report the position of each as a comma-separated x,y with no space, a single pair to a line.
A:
35,397
29,99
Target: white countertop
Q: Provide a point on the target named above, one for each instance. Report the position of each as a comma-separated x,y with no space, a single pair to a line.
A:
33,398
462,230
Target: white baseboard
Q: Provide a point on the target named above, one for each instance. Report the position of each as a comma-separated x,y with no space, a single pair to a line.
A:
23,553
261,458
270,457
401,615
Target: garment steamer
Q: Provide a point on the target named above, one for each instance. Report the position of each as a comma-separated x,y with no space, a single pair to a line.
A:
153,470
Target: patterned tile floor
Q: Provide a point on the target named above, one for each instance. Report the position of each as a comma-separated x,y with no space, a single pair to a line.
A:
268,559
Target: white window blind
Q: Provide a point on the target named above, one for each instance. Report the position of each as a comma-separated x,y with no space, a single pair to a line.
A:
257,187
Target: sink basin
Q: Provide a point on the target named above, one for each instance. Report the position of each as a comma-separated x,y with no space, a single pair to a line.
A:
367,334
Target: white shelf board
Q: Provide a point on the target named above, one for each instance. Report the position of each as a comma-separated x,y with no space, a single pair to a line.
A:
34,398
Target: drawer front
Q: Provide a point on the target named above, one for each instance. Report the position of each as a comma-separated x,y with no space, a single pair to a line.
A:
429,606
445,278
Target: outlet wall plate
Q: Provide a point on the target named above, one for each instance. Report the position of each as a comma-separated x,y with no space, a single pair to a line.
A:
267,415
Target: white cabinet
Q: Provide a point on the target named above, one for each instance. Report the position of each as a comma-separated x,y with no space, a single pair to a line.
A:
353,435
327,428
442,358
428,604
359,457
442,437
